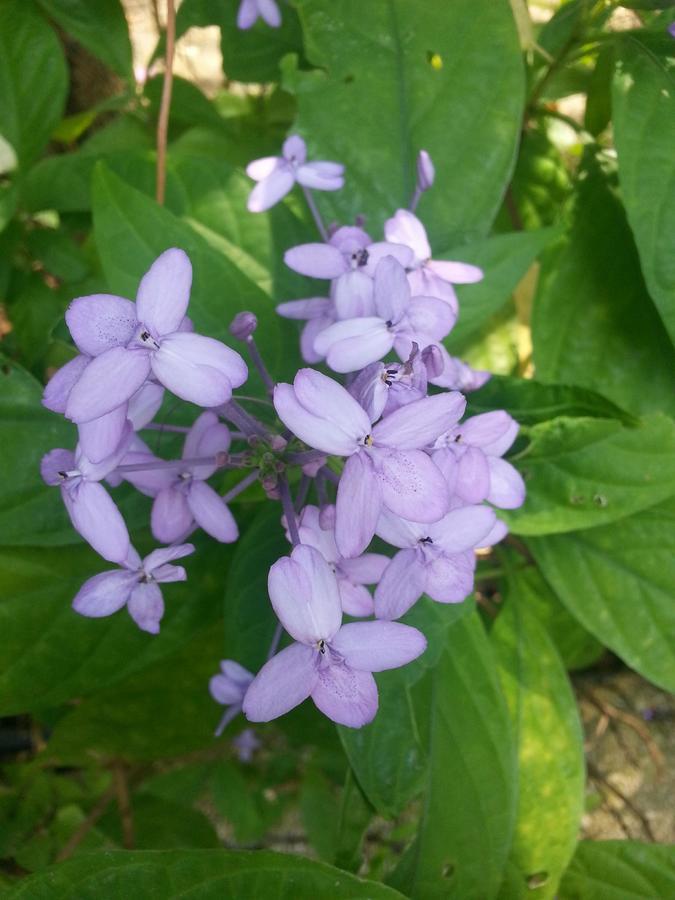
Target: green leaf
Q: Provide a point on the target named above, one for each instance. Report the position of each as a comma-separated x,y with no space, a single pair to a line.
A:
585,472
593,323
100,27
620,870
35,312
504,260
236,802
577,647
389,756
249,618
320,813
468,816
549,743
169,874
530,402
131,230
618,581
355,816
160,824
250,55
644,104
33,79
398,77
51,653
598,110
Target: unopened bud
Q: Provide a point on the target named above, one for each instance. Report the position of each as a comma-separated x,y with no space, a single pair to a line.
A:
243,325
278,443
425,171
433,361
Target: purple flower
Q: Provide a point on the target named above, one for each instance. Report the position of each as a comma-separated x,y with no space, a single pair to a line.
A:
251,10
136,585
90,507
433,278
329,662
381,388
317,529
456,375
130,341
425,171
398,321
469,457
318,312
385,465
230,685
246,743
435,559
276,175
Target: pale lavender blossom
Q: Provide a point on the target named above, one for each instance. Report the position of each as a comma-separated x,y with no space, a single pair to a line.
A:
129,342
252,10
91,509
428,277
399,320
329,662
386,466
436,559
469,455
318,313
246,743
317,529
276,175
135,585
381,388
230,684
426,173
454,374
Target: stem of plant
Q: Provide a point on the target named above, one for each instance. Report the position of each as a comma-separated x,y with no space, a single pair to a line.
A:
238,488
259,363
315,213
165,104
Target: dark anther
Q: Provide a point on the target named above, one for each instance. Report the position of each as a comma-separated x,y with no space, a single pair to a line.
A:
145,335
458,438
322,646
360,257
426,540
62,474
389,323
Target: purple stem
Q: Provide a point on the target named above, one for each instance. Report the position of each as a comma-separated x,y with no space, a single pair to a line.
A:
303,490
221,460
156,426
289,512
306,456
243,420
329,475
259,363
238,488
315,213
415,199
230,713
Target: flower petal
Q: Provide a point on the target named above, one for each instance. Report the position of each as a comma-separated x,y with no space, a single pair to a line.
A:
365,569
107,382
271,189
450,578
353,353
283,682
392,293
311,429
146,606
311,308
164,292
101,321
358,504
356,599
412,486
353,295
100,437
430,317
406,228
418,424
322,176
473,476
54,463
325,398
198,369
60,384
263,167
507,488
400,532
95,516
294,149
493,432
164,555
456,272
305,596
105,593
316,260
347,696
380,249
145,404
463,528
269,11
401,585
211,514
309,334
171,517
377,646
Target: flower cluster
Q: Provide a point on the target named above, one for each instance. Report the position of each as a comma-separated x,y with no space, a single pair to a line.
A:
387,455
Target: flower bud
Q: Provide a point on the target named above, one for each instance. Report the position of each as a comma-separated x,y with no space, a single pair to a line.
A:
243,325
433,361
425,171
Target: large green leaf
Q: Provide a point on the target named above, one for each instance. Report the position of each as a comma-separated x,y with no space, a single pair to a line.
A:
101,27
33,79
620,870
531,401
131,230
50,653
549,742
389,757
467,821
585,472
397,77
593,323
618,581
504,258
644,105
168,874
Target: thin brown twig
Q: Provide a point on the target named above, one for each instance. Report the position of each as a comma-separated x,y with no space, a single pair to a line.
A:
598,776
121,787
613,712
95,814
165,105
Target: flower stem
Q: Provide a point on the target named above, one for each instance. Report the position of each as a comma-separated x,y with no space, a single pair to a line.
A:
158,426
303,490
243,420
221,460
415,199
259,363
165,104
315,213
230,713
238,488
289,512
